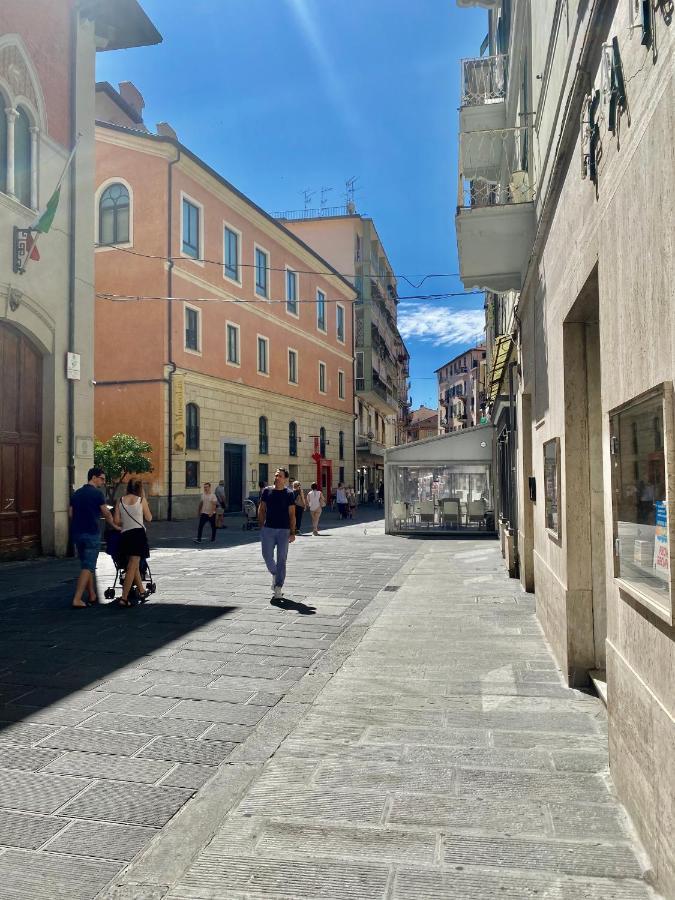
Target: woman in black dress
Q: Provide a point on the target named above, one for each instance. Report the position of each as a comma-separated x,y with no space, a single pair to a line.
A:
131,513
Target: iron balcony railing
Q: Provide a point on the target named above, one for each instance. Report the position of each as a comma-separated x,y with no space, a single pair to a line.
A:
494,168
484,79
324,212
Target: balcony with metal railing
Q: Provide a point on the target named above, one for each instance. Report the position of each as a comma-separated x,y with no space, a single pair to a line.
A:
495,219
483,103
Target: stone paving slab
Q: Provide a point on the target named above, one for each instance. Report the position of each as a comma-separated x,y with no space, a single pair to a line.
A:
116,718
419,769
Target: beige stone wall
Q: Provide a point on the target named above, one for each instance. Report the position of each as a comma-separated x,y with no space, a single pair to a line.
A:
229,413
623,232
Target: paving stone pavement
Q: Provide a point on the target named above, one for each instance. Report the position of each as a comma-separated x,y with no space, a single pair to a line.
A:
111,719
400,732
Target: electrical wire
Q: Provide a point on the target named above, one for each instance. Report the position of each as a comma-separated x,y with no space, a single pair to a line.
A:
217,262
111,295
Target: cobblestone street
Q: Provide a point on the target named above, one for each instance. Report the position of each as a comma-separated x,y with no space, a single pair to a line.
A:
398,731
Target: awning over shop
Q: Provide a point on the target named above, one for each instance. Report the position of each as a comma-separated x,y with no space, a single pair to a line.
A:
501,354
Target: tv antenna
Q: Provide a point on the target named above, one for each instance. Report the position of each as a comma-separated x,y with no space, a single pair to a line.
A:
324,196
350,192
307,195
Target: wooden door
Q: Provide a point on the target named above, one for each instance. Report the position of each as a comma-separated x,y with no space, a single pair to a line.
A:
233,476
20,443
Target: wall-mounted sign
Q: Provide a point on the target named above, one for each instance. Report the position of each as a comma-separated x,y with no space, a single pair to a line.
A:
178,429
24,249
73,366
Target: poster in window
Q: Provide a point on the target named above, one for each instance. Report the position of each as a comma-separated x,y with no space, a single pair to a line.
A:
661,548
552,485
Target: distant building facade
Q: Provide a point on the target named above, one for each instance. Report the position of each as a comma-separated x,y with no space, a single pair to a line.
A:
250,365
461,390
422,423
47,53
351,242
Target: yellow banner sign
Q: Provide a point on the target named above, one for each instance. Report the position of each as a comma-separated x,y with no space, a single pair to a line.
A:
178,425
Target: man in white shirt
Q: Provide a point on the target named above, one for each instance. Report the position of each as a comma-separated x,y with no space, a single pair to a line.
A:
207,512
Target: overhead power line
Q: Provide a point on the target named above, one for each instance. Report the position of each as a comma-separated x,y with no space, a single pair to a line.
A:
217,262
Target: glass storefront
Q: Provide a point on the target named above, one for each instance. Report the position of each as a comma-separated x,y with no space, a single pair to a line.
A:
440,497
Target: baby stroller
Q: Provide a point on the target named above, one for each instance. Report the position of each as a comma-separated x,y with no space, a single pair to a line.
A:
112,548
251,516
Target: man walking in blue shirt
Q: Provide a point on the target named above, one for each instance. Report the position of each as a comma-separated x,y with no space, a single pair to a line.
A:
87,505
276,515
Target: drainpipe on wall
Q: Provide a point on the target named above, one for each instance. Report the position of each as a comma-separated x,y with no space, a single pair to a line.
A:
172,364
72,223
513,452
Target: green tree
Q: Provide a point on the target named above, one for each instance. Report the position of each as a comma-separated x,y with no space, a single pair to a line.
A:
119,456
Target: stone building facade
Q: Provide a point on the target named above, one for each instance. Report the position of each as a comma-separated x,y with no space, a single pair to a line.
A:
249,365
382,363
566,196
47,52
461,390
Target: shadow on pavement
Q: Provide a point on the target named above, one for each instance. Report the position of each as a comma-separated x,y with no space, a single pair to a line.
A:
50,653
294,605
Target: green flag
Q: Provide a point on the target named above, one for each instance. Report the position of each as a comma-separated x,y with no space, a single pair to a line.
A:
44,221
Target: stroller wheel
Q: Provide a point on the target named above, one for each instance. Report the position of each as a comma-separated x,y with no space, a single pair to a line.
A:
109,593
151,586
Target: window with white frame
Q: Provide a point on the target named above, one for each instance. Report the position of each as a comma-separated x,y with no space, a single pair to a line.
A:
292,366
261,270
341,384
321,310
231,250
322,377
292,292
232,335
114,208
191,225
263,355
192,329
340,322
20,125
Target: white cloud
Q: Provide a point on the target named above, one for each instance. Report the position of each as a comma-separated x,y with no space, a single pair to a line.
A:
440,326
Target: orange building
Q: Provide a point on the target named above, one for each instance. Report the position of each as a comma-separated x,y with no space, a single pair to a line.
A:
250,364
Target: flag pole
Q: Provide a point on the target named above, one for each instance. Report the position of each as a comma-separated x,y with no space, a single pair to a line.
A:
55,193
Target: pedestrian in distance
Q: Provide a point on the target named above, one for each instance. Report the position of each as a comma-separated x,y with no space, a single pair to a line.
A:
300,505
341,500
380,493
131,514
208,504
276,516
351,501
222,504
87,505
316,502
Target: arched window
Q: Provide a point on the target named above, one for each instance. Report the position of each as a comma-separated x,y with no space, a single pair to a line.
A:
192,426
322,442
113,215
292,439
22,157
341,441
262,436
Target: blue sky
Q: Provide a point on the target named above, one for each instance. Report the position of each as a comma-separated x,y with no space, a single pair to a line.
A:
284,95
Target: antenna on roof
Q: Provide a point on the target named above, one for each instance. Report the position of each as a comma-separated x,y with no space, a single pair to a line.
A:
324,198
307,196
350,191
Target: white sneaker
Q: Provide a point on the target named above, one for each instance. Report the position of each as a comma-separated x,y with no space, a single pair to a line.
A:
278,592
